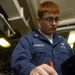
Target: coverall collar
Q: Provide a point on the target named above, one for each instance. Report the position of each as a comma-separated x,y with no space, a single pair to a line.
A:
56,38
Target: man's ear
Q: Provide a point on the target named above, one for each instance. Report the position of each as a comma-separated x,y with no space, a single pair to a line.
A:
38,19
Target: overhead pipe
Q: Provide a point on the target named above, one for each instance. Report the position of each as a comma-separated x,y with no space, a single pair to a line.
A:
3,22
67,22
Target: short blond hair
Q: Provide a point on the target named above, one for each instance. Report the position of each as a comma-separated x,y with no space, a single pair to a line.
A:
48,6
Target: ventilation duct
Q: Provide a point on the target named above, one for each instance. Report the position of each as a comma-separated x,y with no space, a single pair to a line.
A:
14,11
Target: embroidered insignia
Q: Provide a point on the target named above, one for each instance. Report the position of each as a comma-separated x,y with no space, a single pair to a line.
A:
36,35
62,45
38,45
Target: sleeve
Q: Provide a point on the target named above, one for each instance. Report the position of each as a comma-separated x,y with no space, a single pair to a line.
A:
21,57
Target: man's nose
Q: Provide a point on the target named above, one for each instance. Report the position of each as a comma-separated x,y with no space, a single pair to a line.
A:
54,22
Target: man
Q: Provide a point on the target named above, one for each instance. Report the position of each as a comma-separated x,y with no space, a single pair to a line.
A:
42,51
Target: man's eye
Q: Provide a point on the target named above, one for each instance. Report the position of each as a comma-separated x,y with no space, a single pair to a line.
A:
49,20
56,19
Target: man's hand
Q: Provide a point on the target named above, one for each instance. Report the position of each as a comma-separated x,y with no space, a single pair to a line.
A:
43,70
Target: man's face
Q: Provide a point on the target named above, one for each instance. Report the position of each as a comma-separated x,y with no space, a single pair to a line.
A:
49,23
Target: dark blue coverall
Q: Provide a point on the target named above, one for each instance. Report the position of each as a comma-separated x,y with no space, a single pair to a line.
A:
34,49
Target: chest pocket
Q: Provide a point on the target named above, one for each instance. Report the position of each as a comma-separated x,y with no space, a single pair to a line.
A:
62,54
39,55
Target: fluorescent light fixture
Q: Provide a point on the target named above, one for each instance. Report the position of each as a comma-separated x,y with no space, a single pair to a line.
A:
71,38
4,43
